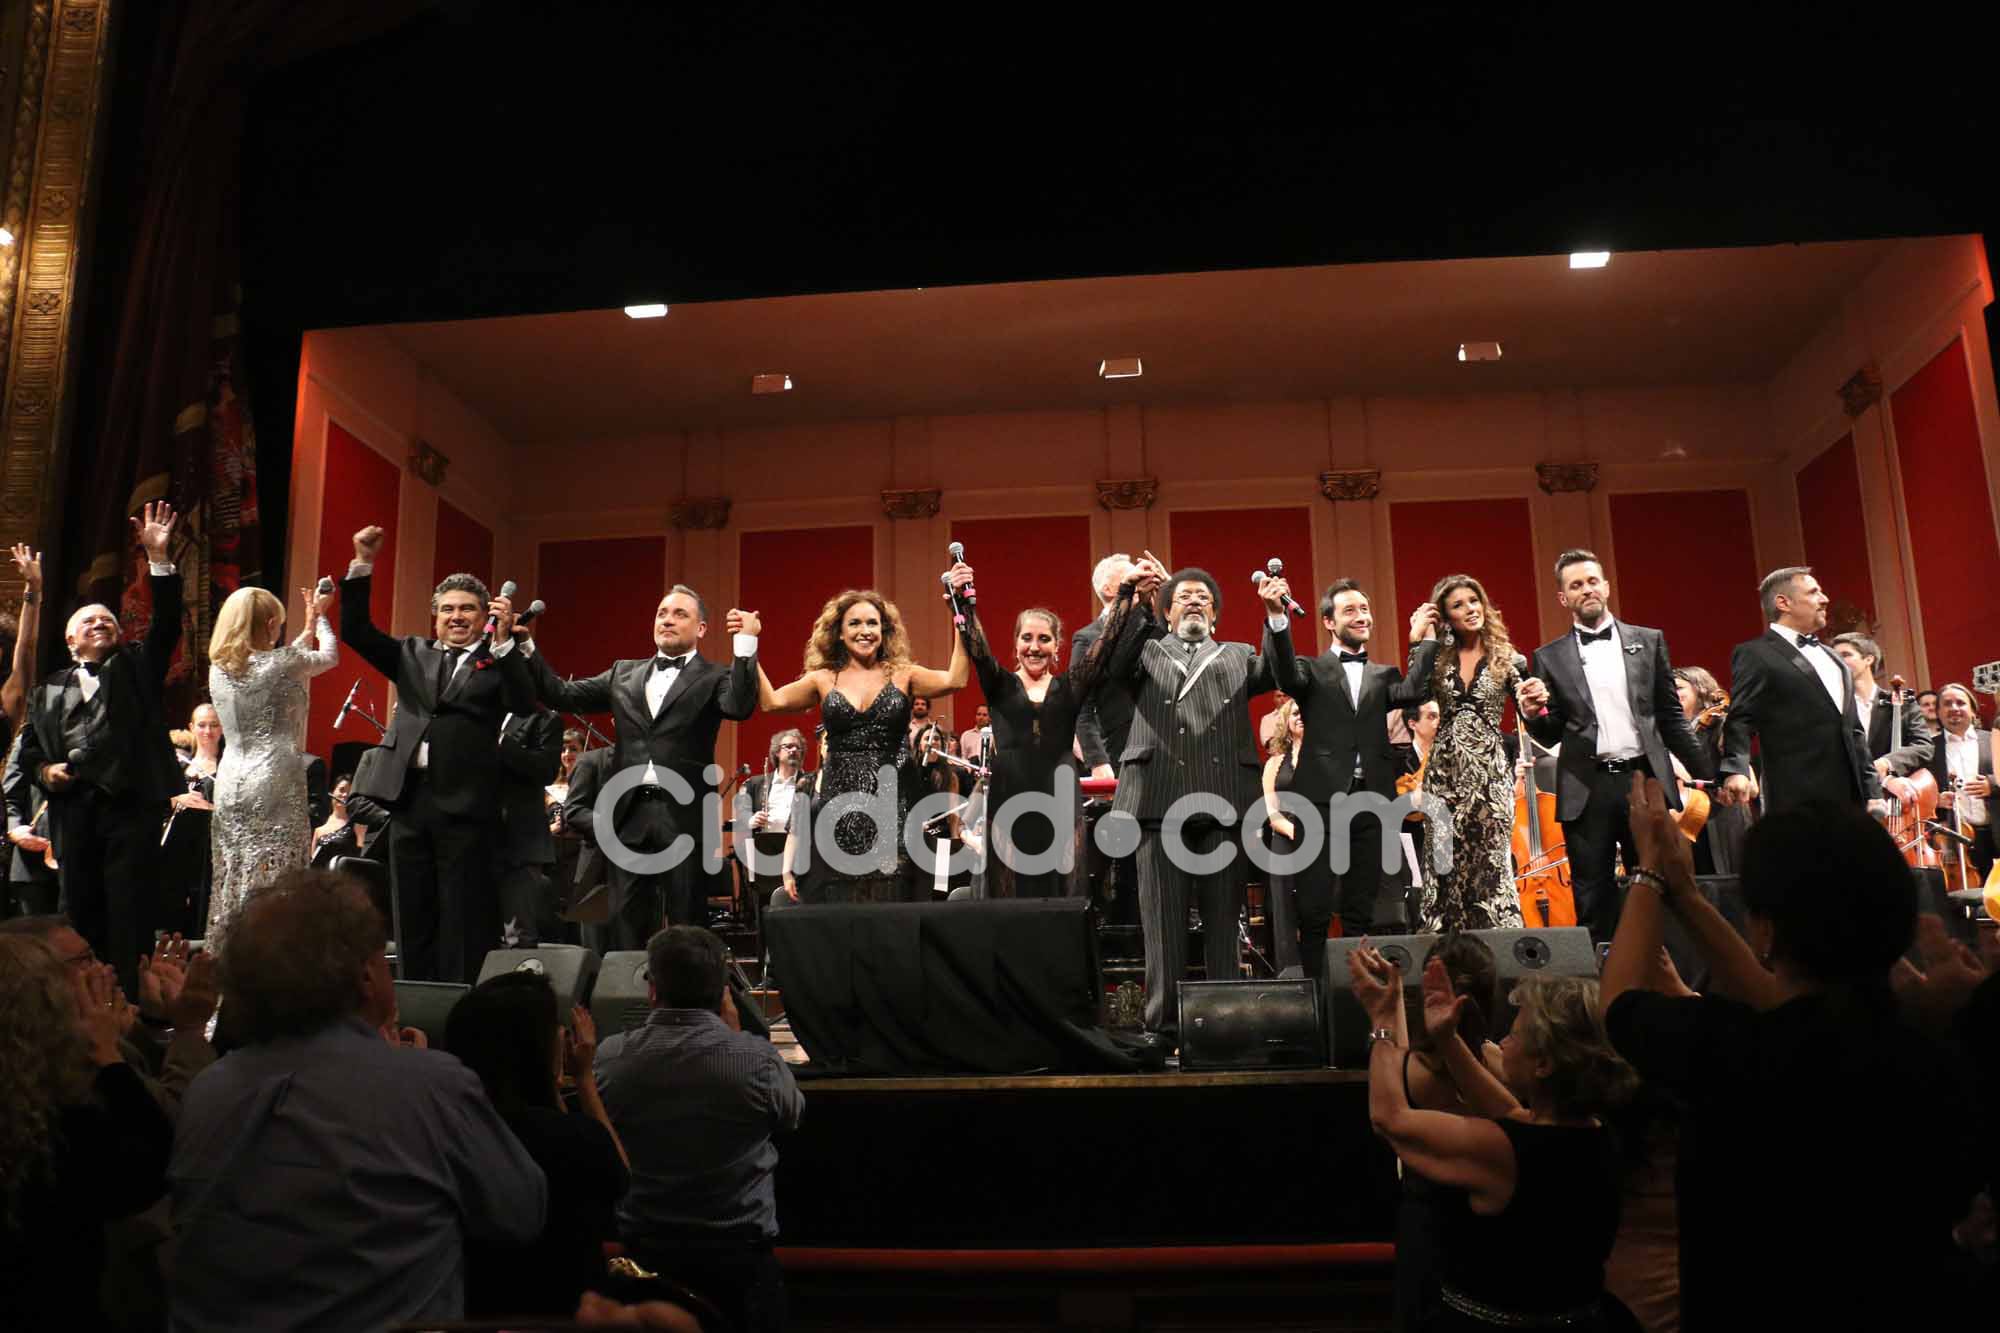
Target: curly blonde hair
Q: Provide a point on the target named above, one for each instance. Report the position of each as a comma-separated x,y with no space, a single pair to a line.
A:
249,614
826,652
1493,638
44,1063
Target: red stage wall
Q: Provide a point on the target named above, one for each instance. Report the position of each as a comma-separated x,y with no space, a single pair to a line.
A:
1488,539
1835,528
1023,562
602,593
1952,541
464,546
1232,544
360,489
1686,566
787,576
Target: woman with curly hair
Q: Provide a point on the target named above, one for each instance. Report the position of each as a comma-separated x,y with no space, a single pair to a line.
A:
81,1140
858,672
1477,670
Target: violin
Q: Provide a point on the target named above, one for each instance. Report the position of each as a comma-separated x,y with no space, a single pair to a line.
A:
1541,865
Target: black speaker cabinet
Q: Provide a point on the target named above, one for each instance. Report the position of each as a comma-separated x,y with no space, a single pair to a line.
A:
1250,1025
570,968
619,1003
425,1005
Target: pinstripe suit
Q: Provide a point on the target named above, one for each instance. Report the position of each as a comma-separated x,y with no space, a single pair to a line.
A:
1190,737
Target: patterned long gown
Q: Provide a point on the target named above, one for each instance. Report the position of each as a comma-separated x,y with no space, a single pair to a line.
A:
1469,772
261,827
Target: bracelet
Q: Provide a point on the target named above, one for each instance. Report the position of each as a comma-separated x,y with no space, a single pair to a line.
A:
1380,1034
1644,875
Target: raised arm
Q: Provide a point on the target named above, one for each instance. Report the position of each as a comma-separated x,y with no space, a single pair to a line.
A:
929,683
1477,1087
1414,685
357,628
803,693
973,636
155,532
318,649
741,690
14,692
577,696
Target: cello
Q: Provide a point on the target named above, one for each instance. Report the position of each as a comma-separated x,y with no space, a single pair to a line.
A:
1909,818
1541,865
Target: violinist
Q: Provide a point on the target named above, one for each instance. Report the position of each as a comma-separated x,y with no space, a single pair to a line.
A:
1718,848
1877,707
1604,692
1963,767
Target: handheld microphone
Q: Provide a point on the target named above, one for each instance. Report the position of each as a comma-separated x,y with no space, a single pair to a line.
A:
1257,578
535,608
957,553
348,705
324,587
493,617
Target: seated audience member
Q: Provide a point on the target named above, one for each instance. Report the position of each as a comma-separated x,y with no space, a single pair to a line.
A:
506,1031
323,1177
697,1101
1525,1187
81,1141
1827,1153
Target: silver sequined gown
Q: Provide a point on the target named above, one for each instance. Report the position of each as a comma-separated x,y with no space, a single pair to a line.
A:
261,827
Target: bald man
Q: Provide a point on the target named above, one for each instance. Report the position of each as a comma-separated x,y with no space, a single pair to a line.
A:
96,741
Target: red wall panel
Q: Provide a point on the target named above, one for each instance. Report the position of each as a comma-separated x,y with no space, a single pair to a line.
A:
602,593
1488,539
1232,544
1024,562
1835,528
1686,566
1945,494
360,489
787,576
464,546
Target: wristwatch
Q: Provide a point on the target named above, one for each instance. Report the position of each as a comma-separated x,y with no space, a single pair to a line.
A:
1381,1034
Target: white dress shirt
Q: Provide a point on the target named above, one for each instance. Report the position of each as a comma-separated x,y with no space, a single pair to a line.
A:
1610,693
1831,673
1961,757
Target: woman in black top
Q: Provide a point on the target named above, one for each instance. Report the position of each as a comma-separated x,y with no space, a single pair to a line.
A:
1828,1146
1527,1204
505,1030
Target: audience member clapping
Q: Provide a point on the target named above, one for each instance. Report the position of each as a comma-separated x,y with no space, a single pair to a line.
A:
1826,1154
321,1176
506,1031
1529,1183
81,1140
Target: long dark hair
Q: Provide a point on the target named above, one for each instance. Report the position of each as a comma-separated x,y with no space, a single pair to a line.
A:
504,1030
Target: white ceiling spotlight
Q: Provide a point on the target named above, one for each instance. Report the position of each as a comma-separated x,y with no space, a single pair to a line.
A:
772,383
653,310
1486,351
1120,368
1589,258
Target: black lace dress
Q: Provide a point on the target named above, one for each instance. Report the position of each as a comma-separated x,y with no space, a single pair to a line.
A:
860,743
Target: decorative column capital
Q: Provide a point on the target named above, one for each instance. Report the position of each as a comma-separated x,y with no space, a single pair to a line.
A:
427,463
912,504
1137,493
1862,391
700,513
1360,483
1558,478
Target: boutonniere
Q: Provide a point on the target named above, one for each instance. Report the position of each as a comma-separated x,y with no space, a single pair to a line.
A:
1631,650
481,663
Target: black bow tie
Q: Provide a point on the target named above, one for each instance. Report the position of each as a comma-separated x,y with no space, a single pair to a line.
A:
1808,641
1354,657
90,668
669,663
1594,636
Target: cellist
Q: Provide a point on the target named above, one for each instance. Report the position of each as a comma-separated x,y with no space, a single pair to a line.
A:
1604,691
1877,707
1963,766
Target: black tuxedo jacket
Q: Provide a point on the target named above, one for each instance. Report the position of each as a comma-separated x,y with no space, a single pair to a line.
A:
461,722
681,738
1918,742
319,800
1571,719
1190,723
136,759
1104,722
586,780
1340,732
1811,749
530,758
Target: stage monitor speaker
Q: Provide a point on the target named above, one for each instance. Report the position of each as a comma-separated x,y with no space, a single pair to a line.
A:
570,968
425,1005
1558,951
620,1002
1250,1025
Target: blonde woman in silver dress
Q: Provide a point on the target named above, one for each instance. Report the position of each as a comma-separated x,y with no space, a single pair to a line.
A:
261,828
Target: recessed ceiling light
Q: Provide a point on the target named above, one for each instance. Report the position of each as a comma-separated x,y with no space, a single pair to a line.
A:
1486,351
1120,368
770,383
654,310
1589,258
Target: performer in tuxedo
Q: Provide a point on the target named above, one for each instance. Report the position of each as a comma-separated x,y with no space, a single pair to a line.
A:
96,742
1962,763
530,758
1877,709
1345,700
1793,695
438,768
1606,693
669,708
1191,736
585,896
